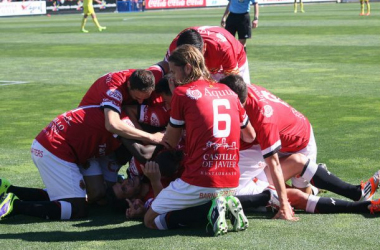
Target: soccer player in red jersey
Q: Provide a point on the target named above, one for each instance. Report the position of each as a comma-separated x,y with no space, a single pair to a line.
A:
223,53
115,89
212,117
283,131
59,151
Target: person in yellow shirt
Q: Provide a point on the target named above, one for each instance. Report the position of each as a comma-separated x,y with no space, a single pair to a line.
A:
362,8
88,9
295,6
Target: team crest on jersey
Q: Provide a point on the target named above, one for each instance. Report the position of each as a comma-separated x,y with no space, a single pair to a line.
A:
115,94
154,121
268,111
194,94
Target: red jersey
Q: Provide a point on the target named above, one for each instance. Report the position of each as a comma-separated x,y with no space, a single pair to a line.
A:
78,135
212,116
155,115
224,53
278,126
111,91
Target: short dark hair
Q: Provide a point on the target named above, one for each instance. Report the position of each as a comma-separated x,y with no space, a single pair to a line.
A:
142,80
169,162
192,37
236,84
162,87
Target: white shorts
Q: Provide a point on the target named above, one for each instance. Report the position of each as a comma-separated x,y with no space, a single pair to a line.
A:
256,186
251,164
180,195
309,151
106,166
62,179
244,72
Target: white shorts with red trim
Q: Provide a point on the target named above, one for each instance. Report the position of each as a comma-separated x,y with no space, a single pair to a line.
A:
256,186
180,195
251,164
62,179
311,152
244,72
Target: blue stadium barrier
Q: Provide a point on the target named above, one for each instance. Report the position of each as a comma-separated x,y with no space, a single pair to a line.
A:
128,6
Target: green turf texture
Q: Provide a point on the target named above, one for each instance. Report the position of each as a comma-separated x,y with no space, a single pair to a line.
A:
324,62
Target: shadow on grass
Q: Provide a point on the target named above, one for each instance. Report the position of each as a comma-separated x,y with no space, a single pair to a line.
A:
103,234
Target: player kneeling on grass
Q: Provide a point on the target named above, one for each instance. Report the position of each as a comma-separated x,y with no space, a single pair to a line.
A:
59,154
212,116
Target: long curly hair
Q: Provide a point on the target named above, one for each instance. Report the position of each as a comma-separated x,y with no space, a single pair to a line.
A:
188,54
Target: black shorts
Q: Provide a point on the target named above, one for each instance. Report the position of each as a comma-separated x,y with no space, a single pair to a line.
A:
240,23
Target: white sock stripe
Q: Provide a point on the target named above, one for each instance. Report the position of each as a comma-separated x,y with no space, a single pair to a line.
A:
310,171
161,222
311,203
65,210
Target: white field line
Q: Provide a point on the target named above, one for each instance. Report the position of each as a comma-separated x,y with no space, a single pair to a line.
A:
5,83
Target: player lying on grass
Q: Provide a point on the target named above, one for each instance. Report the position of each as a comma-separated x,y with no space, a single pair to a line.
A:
297,199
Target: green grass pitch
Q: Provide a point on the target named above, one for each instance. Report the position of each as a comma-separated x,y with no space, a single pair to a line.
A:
324,62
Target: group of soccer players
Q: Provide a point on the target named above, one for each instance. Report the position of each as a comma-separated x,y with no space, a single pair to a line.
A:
202,144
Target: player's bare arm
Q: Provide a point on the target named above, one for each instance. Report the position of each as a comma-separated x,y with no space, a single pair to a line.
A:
255,21
172,137
131,111
114,125
285,212
152,171
141,152
225,15
248,134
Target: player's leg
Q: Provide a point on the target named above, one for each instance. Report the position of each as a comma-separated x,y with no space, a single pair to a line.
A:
84,21
295,6
64,184
95,19
29,194
326,205
322,178
368,8
180,196
361,8
301,5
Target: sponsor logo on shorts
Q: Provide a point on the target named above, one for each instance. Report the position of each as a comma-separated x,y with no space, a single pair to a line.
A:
37,152
211,196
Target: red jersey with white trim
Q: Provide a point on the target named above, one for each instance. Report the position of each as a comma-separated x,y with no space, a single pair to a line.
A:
212,116
224,53
111,91
78,135
278,126
155,115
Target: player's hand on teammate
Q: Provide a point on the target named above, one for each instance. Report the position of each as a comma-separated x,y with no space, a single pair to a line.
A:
152,171
156,138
